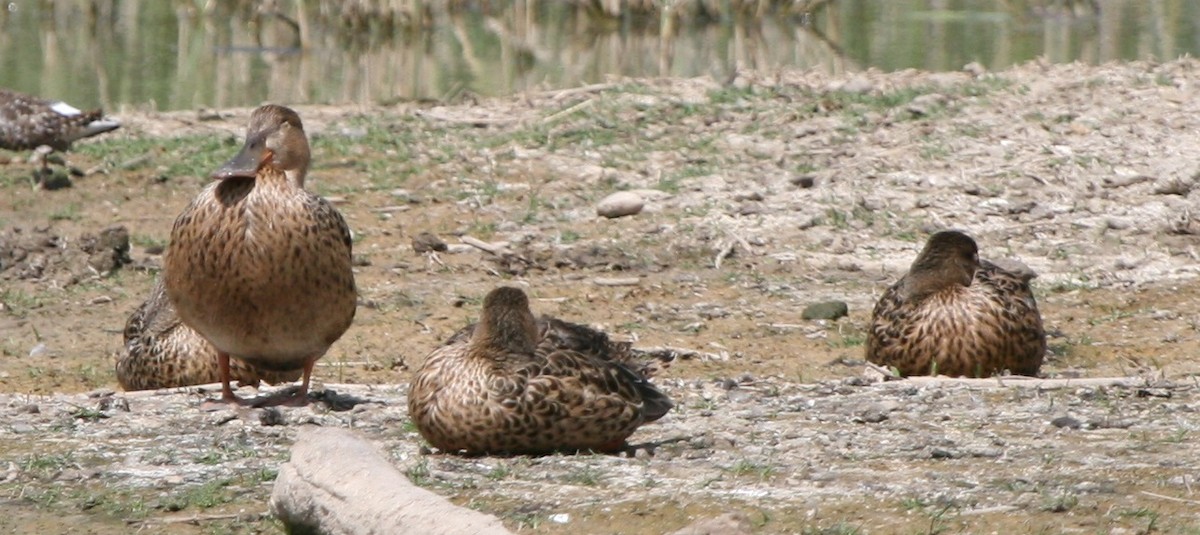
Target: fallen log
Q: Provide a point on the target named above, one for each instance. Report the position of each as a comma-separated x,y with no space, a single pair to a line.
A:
337,483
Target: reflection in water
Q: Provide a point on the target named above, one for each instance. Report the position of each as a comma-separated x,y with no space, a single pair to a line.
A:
191,53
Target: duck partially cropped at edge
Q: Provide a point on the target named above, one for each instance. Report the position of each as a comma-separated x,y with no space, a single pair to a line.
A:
260,267
954,314
162,352
28,122
516,384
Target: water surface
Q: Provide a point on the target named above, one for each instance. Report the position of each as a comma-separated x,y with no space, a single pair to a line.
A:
156,54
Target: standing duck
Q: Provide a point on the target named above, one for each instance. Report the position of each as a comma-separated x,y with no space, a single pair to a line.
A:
28,122
260,267
953,314
162,352
514,384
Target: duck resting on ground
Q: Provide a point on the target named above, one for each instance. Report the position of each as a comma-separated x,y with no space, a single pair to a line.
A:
162,352
953,314
28,122
260,267
515,384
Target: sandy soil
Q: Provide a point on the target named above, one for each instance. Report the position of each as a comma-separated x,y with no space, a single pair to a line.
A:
805,187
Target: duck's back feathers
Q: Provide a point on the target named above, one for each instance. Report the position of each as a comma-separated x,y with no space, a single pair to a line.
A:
987,327
161,352
556,335
27,122
576,390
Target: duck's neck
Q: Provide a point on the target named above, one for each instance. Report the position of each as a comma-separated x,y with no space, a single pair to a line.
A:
929,277
296,176
508,331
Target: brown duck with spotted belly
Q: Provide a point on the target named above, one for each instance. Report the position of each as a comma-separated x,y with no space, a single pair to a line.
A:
953,314
516,384
260,267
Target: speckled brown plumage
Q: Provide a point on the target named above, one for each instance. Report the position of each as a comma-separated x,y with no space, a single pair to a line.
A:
953,314
27,122
162,352
258,266
515,385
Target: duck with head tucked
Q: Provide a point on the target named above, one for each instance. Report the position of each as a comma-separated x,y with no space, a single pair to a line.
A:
28,122
516,384
260,267
954,314
162,352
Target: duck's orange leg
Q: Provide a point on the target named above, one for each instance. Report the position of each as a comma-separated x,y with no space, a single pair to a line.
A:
227,395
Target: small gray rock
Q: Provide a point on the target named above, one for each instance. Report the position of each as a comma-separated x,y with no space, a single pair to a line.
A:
857,85
828,310
803,181
620,204
1067,422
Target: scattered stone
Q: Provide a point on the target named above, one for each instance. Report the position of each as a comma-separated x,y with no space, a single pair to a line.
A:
1174,187
826,310
926,104
271,416
427,242
1116,223
803,181
620,204
113,404
858,84
941,453
109,251
877,412
975,69
560,518
1066,422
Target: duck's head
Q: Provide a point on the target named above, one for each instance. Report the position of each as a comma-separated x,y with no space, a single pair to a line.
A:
275,139
950,258
507,323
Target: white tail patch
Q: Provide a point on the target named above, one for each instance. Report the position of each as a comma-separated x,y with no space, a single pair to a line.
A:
62,108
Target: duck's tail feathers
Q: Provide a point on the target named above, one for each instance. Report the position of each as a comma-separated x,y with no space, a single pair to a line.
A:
95,127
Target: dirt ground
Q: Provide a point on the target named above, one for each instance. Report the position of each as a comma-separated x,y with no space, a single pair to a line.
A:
764,194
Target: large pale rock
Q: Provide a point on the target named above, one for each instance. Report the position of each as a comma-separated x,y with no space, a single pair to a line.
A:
620,204
338,483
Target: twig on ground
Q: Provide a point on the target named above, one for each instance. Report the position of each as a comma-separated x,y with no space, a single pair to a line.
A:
1022,382
616,281
563,113
1171,498
563,93
493,248
197,519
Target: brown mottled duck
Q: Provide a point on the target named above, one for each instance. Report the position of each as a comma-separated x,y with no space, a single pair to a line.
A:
953,314
514,384
260,267
162,352
27,122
